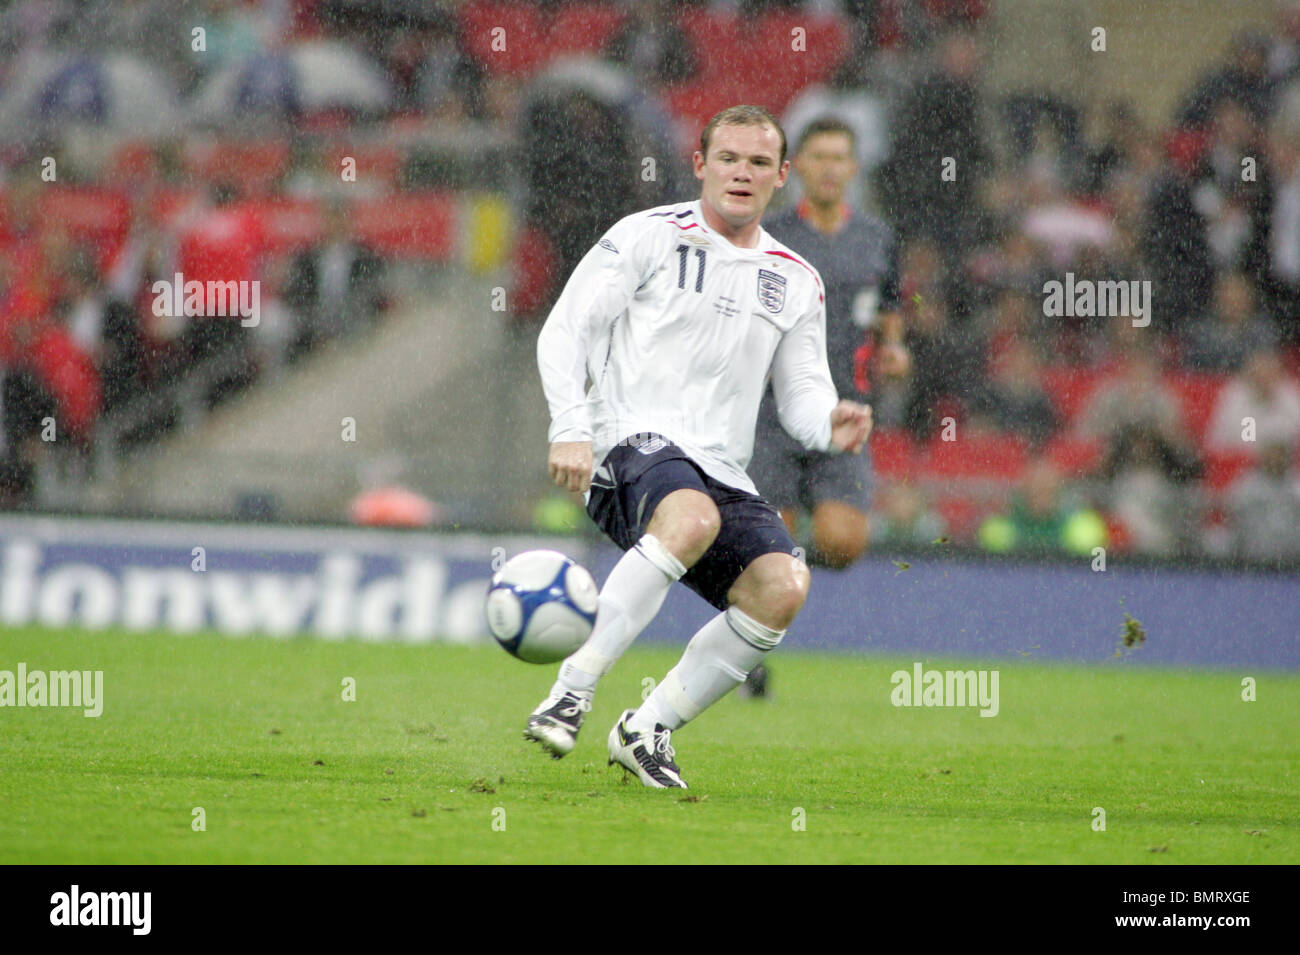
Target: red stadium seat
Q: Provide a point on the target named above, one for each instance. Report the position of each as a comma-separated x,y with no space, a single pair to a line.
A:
255,167
99,217
412,226
695,103
533,264
1291,360
583,28
289,224
170,201
1197,393
960,514
1069,388
132,160
755,62
1223,468
892,453
381,164
531,38
977,456
1075,457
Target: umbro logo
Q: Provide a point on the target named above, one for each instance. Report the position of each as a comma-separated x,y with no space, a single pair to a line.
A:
606,244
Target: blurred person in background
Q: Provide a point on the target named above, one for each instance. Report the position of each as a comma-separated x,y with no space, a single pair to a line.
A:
652,44
1043,519
1147,476
940,118
431,71
1220,341
1016,263
1016,319
222,242
1263,392
280,327
1235,209
949,362
1175,244
25,404
68,372
148,254
1264,507
1135,394
103,328
903,516
1282,271
234,31
857,258
134,26
579,172
23,240
335,287
1242,78
1284,52
1014,400
1113,148
848,96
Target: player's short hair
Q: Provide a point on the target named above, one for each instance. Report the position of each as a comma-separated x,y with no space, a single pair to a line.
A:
741,116
827,124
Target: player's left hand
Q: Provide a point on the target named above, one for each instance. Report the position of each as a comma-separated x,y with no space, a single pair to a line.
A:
850,426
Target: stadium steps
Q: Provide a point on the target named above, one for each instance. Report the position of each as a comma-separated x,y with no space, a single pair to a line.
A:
446,401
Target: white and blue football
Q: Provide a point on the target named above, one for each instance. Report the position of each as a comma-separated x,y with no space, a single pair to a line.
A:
541,606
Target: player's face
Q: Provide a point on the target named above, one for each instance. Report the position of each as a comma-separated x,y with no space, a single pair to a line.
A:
741,172
826,166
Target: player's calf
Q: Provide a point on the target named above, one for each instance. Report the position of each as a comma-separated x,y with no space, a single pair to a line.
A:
841,534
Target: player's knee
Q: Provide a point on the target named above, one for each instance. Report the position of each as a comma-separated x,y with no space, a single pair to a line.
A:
695,531
784,605
782,596
700,529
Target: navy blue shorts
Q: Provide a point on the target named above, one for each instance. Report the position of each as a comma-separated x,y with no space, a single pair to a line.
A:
639,473
791,476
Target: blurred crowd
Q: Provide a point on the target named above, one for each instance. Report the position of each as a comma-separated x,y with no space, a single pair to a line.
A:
1176,437
1170,438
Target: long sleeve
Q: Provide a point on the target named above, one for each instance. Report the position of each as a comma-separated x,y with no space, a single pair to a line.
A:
801,381
598,291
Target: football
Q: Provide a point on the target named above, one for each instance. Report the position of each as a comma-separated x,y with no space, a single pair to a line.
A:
541,606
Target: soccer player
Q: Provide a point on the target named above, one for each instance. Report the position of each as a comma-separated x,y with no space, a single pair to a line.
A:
678,316
857,258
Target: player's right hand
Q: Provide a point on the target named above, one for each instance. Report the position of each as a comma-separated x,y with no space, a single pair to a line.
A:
570,463
850,426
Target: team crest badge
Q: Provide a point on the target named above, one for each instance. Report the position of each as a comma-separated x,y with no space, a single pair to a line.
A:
771,291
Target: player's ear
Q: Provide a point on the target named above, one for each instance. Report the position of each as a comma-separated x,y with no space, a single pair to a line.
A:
785,174
698,160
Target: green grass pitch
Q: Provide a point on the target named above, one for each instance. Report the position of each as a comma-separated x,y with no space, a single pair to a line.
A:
428,765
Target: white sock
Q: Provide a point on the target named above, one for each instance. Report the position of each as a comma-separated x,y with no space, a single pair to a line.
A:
632,595
716,661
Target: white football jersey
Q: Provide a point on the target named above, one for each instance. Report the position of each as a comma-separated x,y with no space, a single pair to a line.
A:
677,331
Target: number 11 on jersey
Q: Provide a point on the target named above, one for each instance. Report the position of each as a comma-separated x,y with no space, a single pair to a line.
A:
682,251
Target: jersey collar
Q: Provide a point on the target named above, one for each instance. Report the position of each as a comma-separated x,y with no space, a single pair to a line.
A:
764,238
804,211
